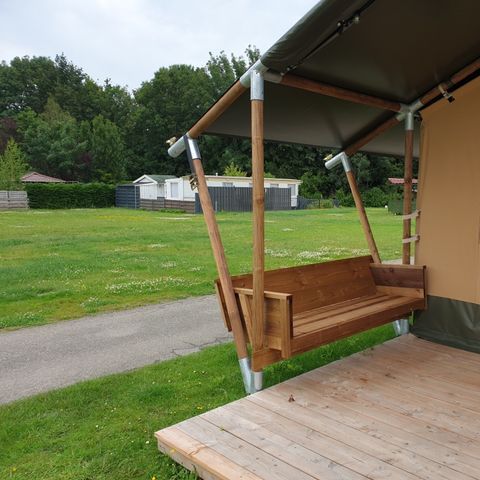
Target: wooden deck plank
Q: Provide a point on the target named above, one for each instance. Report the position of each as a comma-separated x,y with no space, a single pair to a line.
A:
396,418
410,462
455,353
407,409
234,419
312,398
397,373
410,403
338,452
239,451
197,457
440,368
447,355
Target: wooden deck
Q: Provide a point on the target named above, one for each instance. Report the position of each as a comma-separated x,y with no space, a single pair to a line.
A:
408,409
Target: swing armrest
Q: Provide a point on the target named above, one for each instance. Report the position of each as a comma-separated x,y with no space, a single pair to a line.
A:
405,280
278,318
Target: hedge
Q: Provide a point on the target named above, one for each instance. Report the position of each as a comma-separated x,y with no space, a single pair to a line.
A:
375,197
70,195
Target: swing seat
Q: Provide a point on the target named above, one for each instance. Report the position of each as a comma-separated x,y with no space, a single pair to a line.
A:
313,305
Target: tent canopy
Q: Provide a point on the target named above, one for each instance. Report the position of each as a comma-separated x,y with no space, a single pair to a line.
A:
396,50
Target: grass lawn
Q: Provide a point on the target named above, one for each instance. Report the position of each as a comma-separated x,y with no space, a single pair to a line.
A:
103,429
59,264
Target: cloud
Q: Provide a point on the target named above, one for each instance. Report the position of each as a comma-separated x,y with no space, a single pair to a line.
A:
128,40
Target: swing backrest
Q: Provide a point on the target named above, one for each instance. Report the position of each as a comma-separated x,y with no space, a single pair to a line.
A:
319,284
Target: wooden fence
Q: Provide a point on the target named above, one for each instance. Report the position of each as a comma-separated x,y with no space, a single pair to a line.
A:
10,200
239,199
164,204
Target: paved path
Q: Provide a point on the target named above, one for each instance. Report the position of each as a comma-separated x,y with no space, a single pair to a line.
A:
39,359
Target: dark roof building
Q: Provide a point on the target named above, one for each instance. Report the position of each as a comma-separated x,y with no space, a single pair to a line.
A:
35,177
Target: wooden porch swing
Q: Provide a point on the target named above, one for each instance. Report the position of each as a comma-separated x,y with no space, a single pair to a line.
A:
281,313
312,305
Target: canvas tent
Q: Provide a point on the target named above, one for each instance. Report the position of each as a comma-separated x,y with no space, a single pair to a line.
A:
449,226
364,75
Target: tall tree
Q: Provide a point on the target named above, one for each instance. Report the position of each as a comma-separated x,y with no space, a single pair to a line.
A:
51,141
26,83
12,167
167,105
8,130
107,151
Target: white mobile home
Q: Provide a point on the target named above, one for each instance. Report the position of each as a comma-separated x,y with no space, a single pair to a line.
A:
179,189
152,186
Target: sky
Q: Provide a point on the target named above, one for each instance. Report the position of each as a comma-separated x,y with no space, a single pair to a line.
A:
128,40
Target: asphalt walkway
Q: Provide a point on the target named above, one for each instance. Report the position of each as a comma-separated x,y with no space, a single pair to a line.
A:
38,359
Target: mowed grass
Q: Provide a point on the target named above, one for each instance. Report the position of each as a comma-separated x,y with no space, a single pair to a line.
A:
62,264
103,429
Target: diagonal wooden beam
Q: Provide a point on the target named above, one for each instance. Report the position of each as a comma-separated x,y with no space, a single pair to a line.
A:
428,97
219,107
378,130
295,81
458,77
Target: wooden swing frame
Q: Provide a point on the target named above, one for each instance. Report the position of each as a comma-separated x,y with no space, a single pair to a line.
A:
265,319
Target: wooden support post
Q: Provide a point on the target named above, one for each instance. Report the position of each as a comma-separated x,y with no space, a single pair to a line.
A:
372,246
220,260
407,187
343,158
258,211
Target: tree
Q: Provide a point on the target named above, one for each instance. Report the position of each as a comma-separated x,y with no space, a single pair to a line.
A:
167,105
107,151
51,141
26,83
8,130
223,70
232,170
49,107
12,167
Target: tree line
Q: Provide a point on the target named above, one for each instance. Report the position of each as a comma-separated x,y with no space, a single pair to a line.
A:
69,126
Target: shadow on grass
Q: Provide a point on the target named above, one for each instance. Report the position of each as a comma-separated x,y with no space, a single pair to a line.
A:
103,429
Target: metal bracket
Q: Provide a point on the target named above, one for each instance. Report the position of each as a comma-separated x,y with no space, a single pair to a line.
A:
256,86
258,66
446,94
177,147
409,124
193,180
401,327
252,381
193,152
342,158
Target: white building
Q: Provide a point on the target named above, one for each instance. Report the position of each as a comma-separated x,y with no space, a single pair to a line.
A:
179,189
152,186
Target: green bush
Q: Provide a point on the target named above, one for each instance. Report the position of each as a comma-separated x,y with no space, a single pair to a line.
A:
375,197
345,199
70,195
325,203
